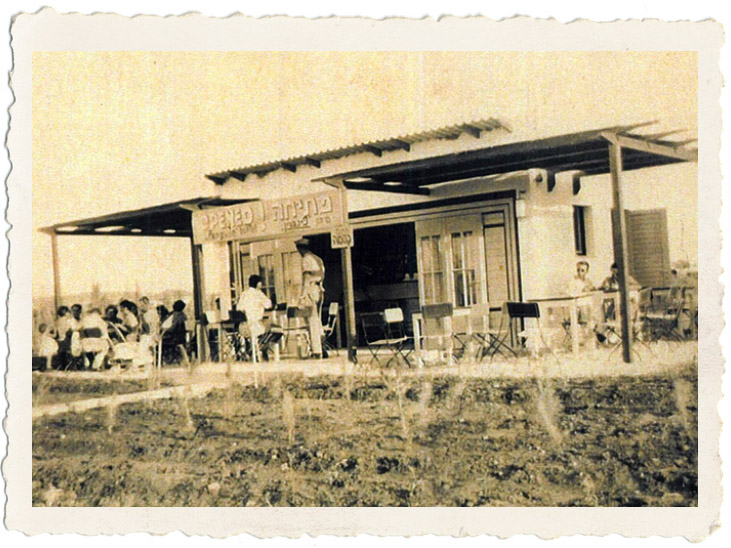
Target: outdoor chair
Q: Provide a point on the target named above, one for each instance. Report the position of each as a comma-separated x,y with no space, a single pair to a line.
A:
475,338
330,328
661,317
296,326
512,312
438,331
384,334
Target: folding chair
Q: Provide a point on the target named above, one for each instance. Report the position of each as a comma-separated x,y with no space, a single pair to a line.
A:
438,331
661,318
511,311
330,328
296,326
384,332
476,340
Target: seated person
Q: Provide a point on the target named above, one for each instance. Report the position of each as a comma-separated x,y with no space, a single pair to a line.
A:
128,311
610,284
117,331
65,326
253,302
94,338
581,283
174,333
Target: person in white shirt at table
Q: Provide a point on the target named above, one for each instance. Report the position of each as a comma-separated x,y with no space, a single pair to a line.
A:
581,283
253,302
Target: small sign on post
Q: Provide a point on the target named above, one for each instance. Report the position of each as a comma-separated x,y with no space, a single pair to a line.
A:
341,237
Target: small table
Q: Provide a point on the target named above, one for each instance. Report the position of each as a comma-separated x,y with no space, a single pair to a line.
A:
574,303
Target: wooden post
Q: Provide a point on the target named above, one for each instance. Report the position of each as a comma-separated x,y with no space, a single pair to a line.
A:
56,274
619,235
346,261
201,338
349,297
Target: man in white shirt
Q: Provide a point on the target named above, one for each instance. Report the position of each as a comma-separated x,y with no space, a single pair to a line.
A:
313,275
253,302
581,283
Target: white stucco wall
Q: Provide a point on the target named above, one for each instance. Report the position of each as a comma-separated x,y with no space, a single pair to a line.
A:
545,233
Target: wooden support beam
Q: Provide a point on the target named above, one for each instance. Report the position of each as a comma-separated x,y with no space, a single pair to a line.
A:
380,187
57,299
346,261
216,179
472,130
239,175
374,150
402,145
312,162
196,253
576,182
621,256
654,148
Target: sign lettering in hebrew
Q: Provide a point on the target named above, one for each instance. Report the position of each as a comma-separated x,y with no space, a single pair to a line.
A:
269,218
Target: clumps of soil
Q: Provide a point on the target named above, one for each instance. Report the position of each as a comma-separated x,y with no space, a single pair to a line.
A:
446,442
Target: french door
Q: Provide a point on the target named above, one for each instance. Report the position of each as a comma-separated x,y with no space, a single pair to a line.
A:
469,258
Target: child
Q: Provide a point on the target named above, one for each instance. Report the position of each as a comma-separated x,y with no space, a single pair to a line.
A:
47,345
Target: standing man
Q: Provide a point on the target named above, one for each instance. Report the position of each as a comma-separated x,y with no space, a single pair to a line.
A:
313,276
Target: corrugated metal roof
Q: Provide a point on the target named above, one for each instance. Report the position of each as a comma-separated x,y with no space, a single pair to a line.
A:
378,147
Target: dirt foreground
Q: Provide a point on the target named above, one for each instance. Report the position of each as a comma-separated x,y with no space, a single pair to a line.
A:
365,439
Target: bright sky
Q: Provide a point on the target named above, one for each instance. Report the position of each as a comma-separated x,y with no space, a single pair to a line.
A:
121,130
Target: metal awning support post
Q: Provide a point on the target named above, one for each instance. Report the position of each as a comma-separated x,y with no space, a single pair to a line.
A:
201,338
619,236
346,261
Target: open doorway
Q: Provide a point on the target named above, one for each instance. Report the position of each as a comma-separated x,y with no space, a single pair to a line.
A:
385,269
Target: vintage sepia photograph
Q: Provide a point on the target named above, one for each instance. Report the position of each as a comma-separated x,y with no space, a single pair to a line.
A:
365,278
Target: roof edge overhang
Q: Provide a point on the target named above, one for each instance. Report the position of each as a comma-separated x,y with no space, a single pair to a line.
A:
586,152
170,220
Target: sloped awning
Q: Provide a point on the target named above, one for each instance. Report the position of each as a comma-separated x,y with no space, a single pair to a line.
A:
586,152
172,220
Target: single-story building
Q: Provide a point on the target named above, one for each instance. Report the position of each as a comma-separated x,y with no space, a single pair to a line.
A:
466,214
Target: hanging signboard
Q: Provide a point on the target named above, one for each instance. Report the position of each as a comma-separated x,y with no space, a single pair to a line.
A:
341,237
311,213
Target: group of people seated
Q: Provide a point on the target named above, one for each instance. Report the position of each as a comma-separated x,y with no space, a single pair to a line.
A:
600,319
83,339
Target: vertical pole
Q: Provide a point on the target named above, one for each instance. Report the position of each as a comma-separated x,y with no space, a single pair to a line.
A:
619,234
201,338
347,267
346,260
56,274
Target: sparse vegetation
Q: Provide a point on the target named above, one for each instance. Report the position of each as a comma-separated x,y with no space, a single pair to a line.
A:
397,440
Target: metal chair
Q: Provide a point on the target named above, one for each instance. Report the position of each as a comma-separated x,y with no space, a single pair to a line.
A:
511,312
384,332
330,328
296,326
661,316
